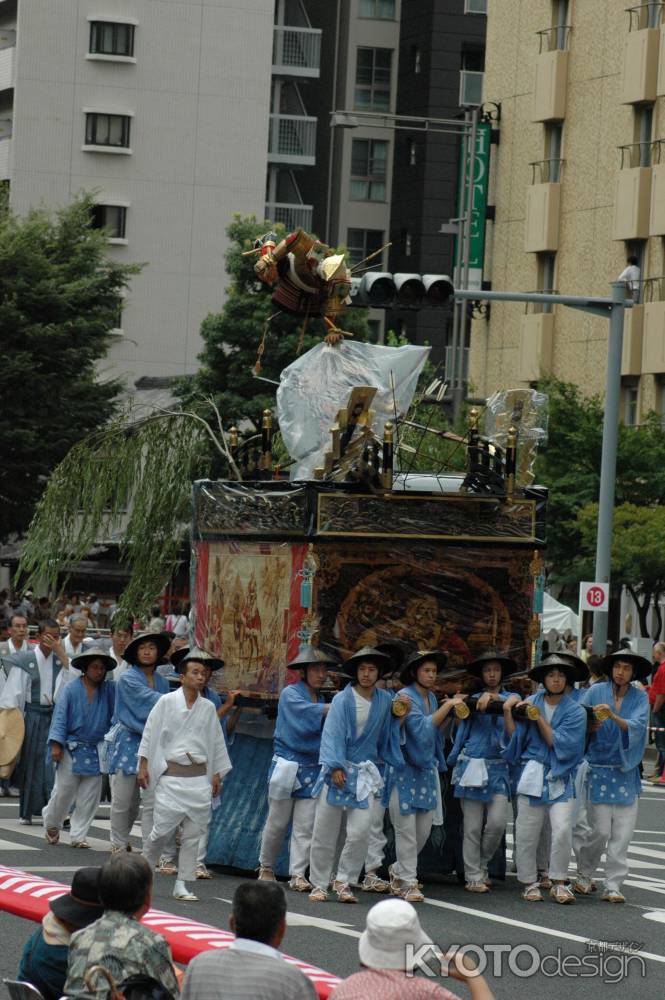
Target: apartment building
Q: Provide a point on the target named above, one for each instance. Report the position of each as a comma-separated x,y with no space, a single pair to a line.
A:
160,108
579,185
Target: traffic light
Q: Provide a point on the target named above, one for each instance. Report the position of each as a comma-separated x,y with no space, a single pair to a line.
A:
382,290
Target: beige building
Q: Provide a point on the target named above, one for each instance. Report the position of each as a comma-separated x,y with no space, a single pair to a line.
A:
578,182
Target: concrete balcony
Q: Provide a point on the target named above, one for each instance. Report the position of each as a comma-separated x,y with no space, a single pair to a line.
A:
294,216
657,211
632,204
633,332
296,52
640,66
550,86
292,139
543,205
653,335
536,334
7,63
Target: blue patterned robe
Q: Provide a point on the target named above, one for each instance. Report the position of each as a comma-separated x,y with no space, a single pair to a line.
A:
417,780
133,703
80,724
614,755
481,736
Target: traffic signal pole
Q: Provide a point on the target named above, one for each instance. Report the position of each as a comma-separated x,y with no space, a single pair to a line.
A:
612,309
464,244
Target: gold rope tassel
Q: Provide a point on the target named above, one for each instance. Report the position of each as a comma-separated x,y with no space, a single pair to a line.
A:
262,346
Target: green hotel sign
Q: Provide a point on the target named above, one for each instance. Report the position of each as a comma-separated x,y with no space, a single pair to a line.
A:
480,185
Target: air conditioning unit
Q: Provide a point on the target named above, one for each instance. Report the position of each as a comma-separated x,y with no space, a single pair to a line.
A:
471,88
475,6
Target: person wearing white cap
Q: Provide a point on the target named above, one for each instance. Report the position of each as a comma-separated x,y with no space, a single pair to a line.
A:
387,946
183,758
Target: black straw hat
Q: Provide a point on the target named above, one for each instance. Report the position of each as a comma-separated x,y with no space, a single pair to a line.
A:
641,666
408,672
368,654
184,655
507,664
81,905
83,660
312,656
578,664
552,662
161,640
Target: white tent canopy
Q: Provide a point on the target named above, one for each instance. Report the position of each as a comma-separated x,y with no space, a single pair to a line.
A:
558,616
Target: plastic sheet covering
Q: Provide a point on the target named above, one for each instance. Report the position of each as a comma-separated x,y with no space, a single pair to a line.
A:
527,410
318,384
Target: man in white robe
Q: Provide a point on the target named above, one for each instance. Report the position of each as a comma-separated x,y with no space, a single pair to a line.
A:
183,757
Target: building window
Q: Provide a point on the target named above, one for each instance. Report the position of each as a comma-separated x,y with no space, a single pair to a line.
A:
373,72
110,217
642,132
411,149
107,130
472,78
415,59
553,146
361,243
407,243
475,6
381,9
546,271
110,39
368,169
630,390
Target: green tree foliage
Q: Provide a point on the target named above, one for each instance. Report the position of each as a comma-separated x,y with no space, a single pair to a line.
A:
59,297
638,554
570,467
231,338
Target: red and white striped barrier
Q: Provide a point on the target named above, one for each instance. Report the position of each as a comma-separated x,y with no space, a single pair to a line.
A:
29,896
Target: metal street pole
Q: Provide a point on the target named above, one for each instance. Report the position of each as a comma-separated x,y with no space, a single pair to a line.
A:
609,457
470,166
614,310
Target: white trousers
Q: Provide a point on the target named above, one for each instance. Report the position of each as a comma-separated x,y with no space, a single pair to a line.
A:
126,796
528,828
377,841
411,833
300,813
166,819
484,826
611,830
83,790
327,823
581,828
170,848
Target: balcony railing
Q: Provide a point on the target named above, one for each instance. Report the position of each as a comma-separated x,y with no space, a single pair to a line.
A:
636,154
551,39
292,139
7,38
653,289
547,171
645,15
296,51
7,68
294,216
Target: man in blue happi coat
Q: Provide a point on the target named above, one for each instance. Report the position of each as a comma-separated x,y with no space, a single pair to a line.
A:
548,752
81,717
413,790
34,683
613,784
301,712
137,692
360,731
481,776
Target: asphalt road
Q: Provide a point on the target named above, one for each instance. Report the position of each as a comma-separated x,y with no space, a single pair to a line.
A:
588,946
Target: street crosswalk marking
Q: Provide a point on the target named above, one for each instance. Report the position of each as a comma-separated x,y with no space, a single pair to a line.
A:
10,845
